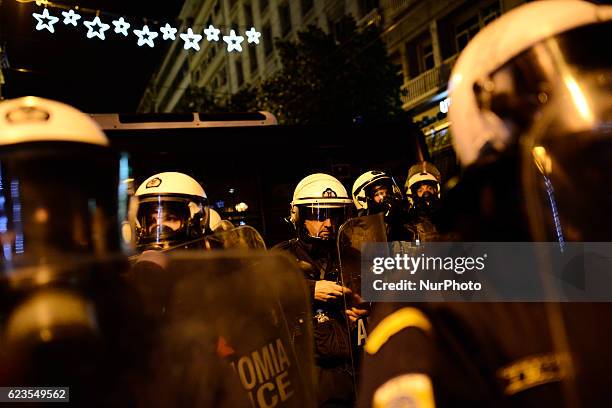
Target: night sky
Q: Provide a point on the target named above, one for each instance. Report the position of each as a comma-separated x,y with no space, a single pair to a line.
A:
95,76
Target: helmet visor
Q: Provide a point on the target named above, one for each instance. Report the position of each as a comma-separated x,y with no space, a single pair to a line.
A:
162,220
323,222
566,153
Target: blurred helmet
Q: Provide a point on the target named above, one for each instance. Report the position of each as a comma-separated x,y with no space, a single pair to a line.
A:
61,245
516,65
319,197
537,82
369,184
58,184
172,210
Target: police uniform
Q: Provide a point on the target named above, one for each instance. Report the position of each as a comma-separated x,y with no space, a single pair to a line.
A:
487,355
332,342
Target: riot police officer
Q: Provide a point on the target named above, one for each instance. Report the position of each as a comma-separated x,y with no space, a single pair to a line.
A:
530,119
423,191
320,205
67,317
172,212
377,192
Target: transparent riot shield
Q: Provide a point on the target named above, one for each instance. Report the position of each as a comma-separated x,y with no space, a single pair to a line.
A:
351,236
244,237
235,331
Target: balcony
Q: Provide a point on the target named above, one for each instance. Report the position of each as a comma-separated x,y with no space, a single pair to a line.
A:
426,84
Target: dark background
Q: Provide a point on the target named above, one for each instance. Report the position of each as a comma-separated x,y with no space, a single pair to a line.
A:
93,75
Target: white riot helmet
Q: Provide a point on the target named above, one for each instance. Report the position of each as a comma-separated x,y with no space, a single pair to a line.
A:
516,65
371,182
533,90
58,184
172,210
420,173
319,197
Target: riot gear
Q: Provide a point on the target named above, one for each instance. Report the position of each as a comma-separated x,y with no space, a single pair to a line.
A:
65,313
530,118
423,187
172,210
375,191
320,205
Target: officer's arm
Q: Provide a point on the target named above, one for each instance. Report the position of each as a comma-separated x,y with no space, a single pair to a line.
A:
398,363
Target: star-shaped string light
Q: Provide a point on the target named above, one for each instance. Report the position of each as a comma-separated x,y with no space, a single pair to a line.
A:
121,26
91,32
150,36
169,33
70,17
45,16
212,33
233,41
191,40
253,36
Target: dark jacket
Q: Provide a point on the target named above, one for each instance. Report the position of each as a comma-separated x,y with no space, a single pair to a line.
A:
332,341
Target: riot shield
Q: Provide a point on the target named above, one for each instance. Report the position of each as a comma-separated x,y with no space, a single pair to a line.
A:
236,331
351,236
73,322
244,237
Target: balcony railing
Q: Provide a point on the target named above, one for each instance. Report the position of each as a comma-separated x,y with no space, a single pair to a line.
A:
426,84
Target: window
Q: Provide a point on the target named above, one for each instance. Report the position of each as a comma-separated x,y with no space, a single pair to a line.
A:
464,32
426,57
284,13
239,74
253,59
306,6
268,43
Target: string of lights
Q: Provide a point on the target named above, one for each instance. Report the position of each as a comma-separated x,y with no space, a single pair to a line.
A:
147,34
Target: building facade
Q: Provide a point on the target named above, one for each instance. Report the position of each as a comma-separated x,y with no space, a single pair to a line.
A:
223,74
423,38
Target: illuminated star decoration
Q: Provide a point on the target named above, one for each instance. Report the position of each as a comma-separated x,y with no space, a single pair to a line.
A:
233,41
169,33
150,35
91,32
121,26
70,17
253,36
191,40
45,16
212,33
